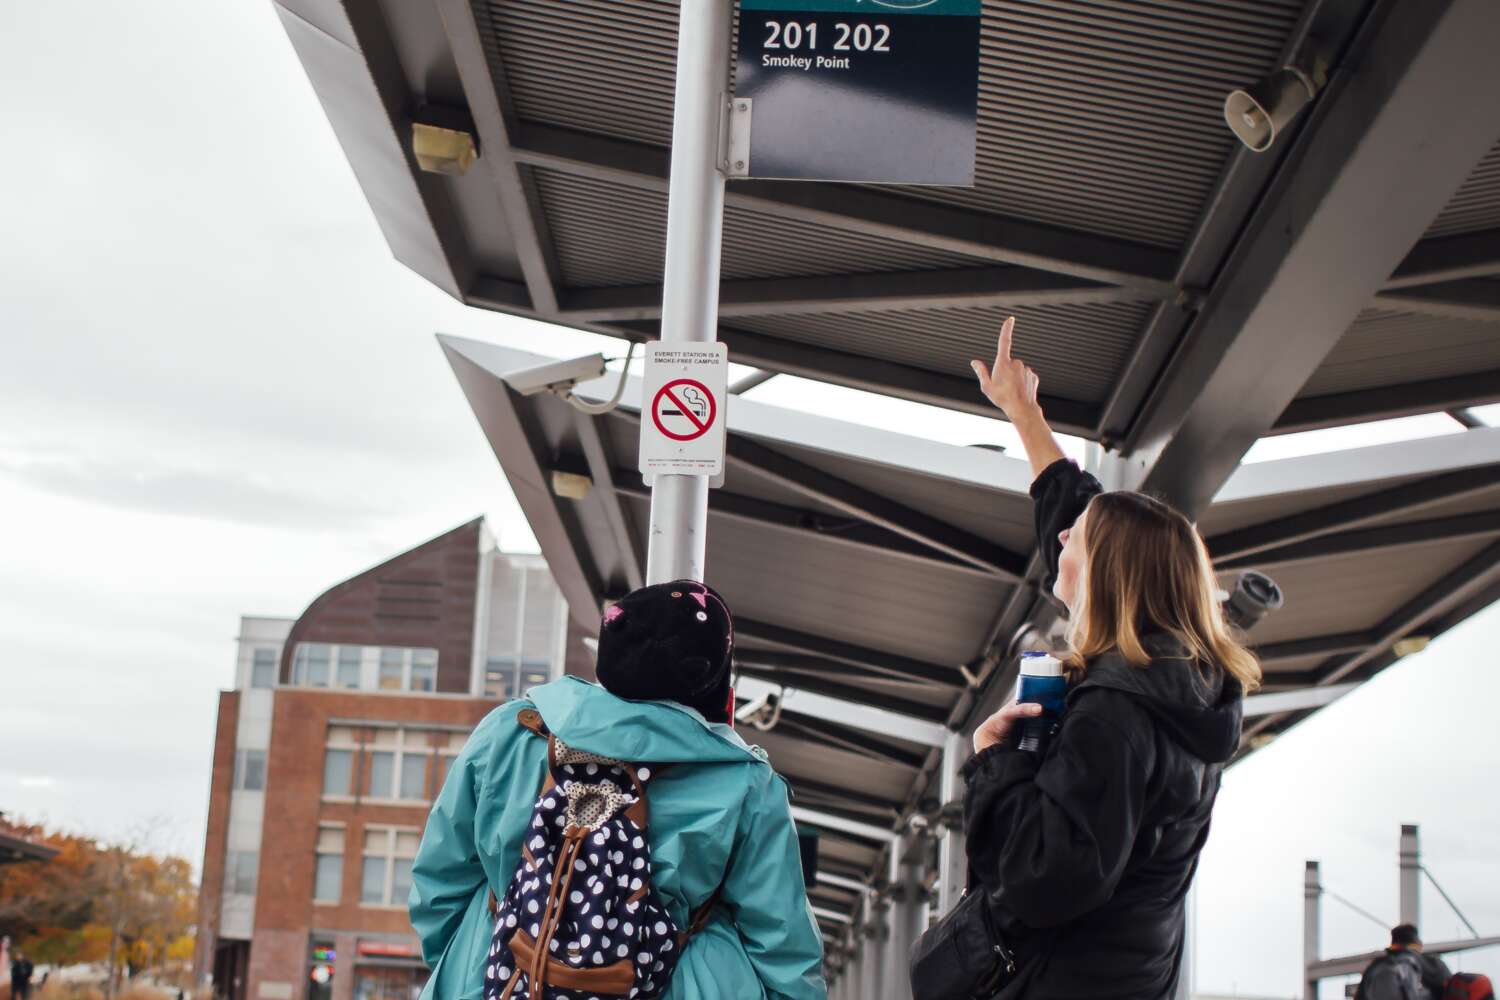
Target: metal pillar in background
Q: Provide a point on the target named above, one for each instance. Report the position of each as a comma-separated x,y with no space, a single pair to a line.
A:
1411,876
905,917
876,932
1312,897
690,296
952,865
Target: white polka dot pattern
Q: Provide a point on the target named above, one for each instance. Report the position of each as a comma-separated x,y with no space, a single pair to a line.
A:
607,912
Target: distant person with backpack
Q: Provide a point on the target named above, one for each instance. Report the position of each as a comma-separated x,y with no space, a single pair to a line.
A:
619,840
1404,972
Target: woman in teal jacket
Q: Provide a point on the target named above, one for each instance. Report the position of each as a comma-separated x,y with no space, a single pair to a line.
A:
719,820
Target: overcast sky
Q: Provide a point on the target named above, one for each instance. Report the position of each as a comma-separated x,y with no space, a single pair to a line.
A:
219,395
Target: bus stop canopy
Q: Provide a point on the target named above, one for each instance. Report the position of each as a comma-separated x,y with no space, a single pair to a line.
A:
1179,296
868,572
1170,285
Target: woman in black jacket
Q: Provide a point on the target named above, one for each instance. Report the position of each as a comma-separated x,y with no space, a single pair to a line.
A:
1086,850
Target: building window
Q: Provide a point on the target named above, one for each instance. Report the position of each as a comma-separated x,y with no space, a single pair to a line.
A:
338,772
250,771
263,668
385,875
328,873
239,873
423,670
508,677
311,664
407,669
398,765
349,661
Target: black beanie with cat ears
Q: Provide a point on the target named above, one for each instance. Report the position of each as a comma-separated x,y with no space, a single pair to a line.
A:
669,641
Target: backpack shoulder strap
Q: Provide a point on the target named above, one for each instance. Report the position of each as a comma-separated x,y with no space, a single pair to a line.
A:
530,718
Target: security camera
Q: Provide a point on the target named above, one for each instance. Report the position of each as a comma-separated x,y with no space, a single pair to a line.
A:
556,376
763,713
1254,596
1258,114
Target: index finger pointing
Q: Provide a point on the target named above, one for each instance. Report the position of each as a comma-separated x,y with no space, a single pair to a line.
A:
1007,333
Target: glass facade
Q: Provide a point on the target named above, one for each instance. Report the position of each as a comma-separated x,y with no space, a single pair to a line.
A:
349,667
263,668
526,620
328,871
250,771
338,772
385,872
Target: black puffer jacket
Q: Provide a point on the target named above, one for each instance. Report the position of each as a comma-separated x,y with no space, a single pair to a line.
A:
1087,851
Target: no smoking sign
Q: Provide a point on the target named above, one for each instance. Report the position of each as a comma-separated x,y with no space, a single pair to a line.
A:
682,419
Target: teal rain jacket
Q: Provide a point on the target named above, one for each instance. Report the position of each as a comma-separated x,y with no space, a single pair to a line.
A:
726,818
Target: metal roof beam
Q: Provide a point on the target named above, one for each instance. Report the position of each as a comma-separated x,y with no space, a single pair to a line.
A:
852,799
861,535
517,445
813,705
815,484
889,378
859,657
858,699
1257,705
1407,498
519,199
854,293
1374,539
870,213
900,673
1404,118
832,736
1472,299
596,453
1387,402
1235,196
351,60
1471,605
1449,258
1466,581
826,821
1322,645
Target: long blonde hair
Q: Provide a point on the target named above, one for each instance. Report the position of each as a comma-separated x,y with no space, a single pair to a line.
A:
1147,570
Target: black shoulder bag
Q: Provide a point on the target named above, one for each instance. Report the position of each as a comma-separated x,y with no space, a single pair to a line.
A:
963,957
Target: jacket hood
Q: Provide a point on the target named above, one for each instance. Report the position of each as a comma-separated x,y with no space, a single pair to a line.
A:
1200,709
587,717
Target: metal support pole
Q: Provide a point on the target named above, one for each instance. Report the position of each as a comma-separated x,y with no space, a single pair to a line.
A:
1411,876
690,295
1312,897
872,955
908,898
952,864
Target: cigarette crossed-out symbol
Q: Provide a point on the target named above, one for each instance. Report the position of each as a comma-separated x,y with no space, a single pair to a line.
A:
687,399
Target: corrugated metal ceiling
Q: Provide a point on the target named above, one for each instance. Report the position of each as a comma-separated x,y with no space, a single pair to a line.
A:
608,235
1476,206
1385,348
1050,338
1101,116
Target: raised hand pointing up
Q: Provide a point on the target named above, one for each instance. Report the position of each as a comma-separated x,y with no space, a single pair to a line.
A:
1012,386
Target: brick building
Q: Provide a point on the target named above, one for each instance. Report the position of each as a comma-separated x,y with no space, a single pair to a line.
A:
330,748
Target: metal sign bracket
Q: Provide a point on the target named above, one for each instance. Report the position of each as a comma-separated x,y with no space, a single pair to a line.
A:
736,161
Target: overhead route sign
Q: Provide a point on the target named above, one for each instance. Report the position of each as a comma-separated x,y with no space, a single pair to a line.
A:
878,91
682,410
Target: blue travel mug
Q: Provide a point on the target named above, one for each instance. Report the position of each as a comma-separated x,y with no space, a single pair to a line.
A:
1042,683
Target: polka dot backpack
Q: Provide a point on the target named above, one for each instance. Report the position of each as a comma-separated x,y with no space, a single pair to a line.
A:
580,919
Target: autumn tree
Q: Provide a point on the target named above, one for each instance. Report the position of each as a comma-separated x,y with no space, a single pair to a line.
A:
119,903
